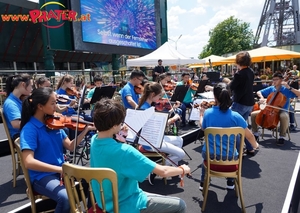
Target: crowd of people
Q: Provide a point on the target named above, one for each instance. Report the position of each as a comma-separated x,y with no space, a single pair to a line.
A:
29,104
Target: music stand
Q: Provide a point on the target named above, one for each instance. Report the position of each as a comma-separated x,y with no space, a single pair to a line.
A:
179,93
101,92
201,87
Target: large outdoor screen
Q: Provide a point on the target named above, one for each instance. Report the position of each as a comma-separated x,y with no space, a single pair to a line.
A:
127,23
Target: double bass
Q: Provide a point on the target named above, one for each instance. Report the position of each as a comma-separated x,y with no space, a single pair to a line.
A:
268,118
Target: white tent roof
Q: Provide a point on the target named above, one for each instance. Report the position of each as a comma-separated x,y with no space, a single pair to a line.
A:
167,54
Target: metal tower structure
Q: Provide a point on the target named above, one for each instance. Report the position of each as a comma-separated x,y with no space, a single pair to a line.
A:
279,24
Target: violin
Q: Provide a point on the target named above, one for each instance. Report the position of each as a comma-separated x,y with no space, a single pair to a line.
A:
169,86
163,104
59,121
138,89
64,98
72,91
205,104
193,86
268,118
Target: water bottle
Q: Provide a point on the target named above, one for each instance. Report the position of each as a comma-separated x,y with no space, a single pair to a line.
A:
175,129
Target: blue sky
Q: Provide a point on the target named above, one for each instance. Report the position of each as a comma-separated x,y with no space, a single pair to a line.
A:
194,18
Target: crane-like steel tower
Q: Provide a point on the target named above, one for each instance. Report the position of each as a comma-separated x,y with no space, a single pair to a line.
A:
279,24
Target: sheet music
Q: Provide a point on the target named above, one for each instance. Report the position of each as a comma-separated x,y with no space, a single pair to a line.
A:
207,95
153,130
136,119
195,113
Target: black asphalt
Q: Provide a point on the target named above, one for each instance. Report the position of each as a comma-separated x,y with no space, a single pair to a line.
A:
266,178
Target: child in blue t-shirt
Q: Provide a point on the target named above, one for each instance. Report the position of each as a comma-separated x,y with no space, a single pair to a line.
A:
130,165
42,147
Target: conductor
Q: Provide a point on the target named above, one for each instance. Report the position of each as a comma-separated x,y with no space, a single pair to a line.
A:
159,69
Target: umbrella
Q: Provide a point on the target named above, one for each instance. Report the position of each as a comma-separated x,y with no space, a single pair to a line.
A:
263,54
215,60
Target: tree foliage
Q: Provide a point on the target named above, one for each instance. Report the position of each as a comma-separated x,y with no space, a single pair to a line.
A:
230,35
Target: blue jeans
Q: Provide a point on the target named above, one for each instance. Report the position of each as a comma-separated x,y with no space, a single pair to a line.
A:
50,187
244,111
183,109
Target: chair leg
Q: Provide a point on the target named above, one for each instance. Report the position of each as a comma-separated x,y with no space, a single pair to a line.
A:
205,191
14,172
239,180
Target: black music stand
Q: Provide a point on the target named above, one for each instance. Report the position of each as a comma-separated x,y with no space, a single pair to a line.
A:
103,92
179,93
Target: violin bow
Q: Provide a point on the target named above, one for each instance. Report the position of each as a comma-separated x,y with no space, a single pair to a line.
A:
78,117
156,149
168,100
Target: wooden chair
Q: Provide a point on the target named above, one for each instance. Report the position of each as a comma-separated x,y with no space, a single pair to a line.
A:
15,160
31,194
78,175
224,165
153,156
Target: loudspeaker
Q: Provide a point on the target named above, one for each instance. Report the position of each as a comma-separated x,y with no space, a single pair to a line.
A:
213,76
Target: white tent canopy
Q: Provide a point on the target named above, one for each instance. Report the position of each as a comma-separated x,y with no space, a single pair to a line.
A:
167,54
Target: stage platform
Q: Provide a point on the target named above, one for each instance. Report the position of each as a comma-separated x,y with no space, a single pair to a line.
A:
266,178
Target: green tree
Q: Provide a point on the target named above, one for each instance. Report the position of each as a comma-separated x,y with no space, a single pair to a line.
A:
230,35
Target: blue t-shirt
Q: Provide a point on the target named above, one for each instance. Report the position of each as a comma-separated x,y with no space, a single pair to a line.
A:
145,105
46,144
12,109
214,117
188,98
286,92
131,167
70,110
128,90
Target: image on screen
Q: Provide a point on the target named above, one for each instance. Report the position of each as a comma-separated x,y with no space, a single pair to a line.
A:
129,23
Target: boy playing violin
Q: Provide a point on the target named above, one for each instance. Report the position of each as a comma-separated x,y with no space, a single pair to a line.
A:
130,165
288,92
129,97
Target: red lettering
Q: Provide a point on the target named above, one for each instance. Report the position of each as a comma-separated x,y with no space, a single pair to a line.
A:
34,15
64,16
52,14
58,13
43,16
5,17
72,15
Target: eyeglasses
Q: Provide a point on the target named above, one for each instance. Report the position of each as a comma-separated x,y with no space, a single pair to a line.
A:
140,79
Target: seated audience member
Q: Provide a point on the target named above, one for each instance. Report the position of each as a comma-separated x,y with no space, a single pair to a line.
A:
129,97
221,115
288,92
130,165
17,88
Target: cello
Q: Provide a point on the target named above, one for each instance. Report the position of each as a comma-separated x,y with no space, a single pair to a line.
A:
268,118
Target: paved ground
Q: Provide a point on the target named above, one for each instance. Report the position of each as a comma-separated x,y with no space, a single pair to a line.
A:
265,181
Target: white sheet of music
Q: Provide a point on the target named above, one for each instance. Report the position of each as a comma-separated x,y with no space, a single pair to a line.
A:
136,119
195,113
154,129
207,95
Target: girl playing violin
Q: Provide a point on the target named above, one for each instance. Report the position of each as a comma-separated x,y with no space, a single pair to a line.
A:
17,87
42,148
221,115
171,144
65,84
130,165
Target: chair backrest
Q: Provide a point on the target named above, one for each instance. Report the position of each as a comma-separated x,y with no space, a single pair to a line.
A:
225,141
11,143
74,174
30,192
